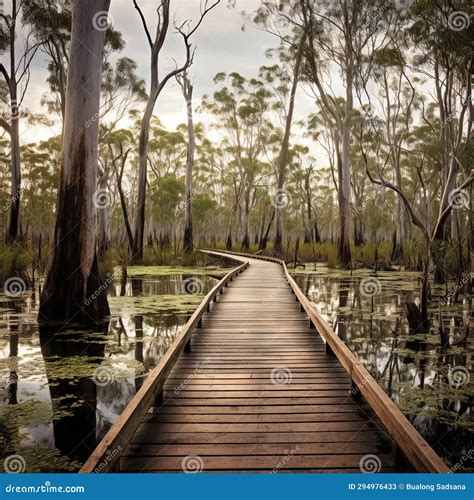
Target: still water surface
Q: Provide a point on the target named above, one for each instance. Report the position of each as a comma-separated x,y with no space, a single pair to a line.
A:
59,397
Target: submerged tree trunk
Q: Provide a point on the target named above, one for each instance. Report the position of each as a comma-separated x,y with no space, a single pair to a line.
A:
73,289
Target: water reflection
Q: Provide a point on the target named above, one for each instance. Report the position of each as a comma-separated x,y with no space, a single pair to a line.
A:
74,396
60,391
58,398
426,372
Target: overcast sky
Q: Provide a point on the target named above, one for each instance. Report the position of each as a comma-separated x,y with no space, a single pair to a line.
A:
221,46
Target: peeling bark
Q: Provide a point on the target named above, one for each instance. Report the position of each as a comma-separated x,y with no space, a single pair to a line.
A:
74,291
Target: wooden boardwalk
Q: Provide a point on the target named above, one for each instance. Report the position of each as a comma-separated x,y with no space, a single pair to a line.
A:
254,388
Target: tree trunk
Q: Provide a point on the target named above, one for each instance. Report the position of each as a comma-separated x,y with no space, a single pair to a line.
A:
188,241
283,158
14,216
397,249
344,248
123,202
246,222
102,218
263,241
73,289
142,178
317,237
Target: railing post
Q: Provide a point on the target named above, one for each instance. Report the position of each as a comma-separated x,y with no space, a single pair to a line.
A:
329,351
187,346
355,391
159,398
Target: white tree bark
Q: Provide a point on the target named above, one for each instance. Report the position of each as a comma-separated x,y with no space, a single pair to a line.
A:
73,277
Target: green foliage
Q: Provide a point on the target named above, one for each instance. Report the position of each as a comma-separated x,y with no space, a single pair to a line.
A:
14,261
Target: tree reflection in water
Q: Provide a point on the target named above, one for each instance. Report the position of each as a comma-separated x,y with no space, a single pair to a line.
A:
75,431
412,364
50,406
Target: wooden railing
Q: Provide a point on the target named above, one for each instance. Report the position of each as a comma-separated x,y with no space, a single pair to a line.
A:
416,450
109,450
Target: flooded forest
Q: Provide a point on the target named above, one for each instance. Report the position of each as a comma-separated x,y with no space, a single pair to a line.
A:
335,135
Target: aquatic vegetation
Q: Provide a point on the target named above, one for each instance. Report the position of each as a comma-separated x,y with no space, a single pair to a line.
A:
133,271
167,304
146,319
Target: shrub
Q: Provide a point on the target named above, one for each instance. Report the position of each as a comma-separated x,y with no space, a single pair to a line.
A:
14,261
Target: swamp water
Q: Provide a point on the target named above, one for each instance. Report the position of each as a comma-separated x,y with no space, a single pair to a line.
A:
58,398
430,381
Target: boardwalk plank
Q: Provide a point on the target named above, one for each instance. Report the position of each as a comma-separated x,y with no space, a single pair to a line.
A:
256,392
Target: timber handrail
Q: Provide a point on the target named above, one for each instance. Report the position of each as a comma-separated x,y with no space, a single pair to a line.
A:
109,450
416,450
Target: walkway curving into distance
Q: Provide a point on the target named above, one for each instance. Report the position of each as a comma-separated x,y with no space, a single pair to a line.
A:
254,389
